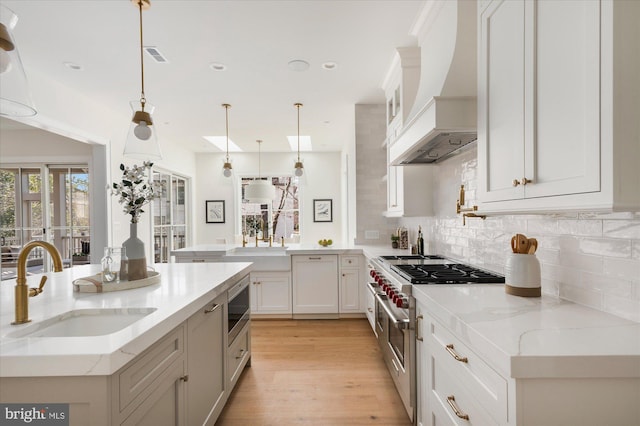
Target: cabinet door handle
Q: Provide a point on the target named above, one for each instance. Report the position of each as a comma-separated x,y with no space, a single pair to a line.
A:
315,258
522,181
197,260
185,378
419,338
451,400
454,354
369,309
211,309
241,353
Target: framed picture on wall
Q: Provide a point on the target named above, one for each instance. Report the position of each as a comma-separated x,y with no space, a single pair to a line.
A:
323,210
214,211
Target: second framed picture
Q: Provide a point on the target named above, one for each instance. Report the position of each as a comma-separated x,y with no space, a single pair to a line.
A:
323,210
214,211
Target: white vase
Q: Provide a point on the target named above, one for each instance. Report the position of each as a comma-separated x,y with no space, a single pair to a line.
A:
136,264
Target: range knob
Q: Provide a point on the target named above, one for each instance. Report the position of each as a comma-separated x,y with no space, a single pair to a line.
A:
372,273
402,302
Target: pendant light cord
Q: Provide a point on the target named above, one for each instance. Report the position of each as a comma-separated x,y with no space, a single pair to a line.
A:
226,107
259,161
143,100
298,105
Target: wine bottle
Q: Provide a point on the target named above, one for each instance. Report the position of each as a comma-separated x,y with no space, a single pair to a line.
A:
420,242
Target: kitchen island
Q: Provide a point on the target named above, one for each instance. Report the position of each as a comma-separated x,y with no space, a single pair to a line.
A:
139,372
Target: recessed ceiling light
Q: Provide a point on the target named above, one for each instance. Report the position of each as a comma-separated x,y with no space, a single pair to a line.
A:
330,66
217,66
298,65
305,143
220,142
73,66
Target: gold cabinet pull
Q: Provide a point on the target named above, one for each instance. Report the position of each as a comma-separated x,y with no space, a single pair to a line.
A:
525,181
516,182
241,354
418,336
451,400
453,353
185,378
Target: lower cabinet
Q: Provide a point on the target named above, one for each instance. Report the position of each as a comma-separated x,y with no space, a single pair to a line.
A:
153,384
455,386
350,284
315,284
206,352
271,293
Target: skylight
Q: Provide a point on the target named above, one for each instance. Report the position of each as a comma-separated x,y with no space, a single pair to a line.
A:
220,142
305,143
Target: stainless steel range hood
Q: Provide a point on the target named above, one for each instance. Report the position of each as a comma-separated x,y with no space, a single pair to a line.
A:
443,118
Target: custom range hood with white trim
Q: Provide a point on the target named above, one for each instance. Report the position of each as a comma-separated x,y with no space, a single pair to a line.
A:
443,118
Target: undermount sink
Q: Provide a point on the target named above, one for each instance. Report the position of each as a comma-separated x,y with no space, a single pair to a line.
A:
84,322
260,250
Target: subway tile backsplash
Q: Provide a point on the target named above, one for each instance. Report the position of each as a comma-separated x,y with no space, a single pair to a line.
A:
589,258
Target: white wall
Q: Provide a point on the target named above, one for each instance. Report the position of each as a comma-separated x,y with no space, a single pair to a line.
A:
322,179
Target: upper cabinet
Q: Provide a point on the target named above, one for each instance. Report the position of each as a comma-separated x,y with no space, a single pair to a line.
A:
400,87
558,105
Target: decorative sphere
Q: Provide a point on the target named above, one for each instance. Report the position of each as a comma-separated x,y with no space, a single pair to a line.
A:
142,131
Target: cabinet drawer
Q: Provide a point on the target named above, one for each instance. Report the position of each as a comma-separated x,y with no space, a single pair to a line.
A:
149,366
238,353
450,403
487,386
347,261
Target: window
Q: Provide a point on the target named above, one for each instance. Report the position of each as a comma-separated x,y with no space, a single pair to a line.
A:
280,218
44,202
169,216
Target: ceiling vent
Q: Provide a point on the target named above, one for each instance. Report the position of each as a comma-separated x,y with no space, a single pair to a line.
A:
156,55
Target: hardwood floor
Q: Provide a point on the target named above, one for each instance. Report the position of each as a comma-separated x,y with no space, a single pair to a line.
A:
314,372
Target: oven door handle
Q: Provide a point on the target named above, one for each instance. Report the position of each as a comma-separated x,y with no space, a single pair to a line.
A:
399,323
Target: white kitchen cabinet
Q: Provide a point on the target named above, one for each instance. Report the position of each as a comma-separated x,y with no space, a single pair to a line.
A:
556,129
238,356
152,386
206,353
271,294
350,284
315,284
457,386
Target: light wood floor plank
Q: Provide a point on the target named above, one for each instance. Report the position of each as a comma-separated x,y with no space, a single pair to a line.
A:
314,372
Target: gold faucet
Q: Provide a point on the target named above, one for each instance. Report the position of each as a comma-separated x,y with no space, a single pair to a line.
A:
244,239
22,293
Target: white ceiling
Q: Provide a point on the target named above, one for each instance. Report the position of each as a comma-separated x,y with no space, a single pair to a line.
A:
254,39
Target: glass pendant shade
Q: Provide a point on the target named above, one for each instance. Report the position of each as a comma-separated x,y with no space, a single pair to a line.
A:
142,138
15,99
259,191
298,169
227,168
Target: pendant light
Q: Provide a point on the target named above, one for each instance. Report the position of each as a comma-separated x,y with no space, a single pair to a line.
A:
259,191
15,100
227,169
298,167
142,139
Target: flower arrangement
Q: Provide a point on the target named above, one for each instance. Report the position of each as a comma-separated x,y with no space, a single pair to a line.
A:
135,190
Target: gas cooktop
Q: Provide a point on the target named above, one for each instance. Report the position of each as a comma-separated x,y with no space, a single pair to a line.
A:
435,269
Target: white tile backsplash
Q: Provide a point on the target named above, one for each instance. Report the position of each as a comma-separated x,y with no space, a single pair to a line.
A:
589,258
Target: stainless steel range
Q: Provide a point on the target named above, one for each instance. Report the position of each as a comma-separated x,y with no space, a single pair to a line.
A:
391,281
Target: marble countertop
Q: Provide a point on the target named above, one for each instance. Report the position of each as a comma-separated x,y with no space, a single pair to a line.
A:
184,288
535,337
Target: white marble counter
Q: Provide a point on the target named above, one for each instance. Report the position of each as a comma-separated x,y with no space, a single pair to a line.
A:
183,290
535,337
212,250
